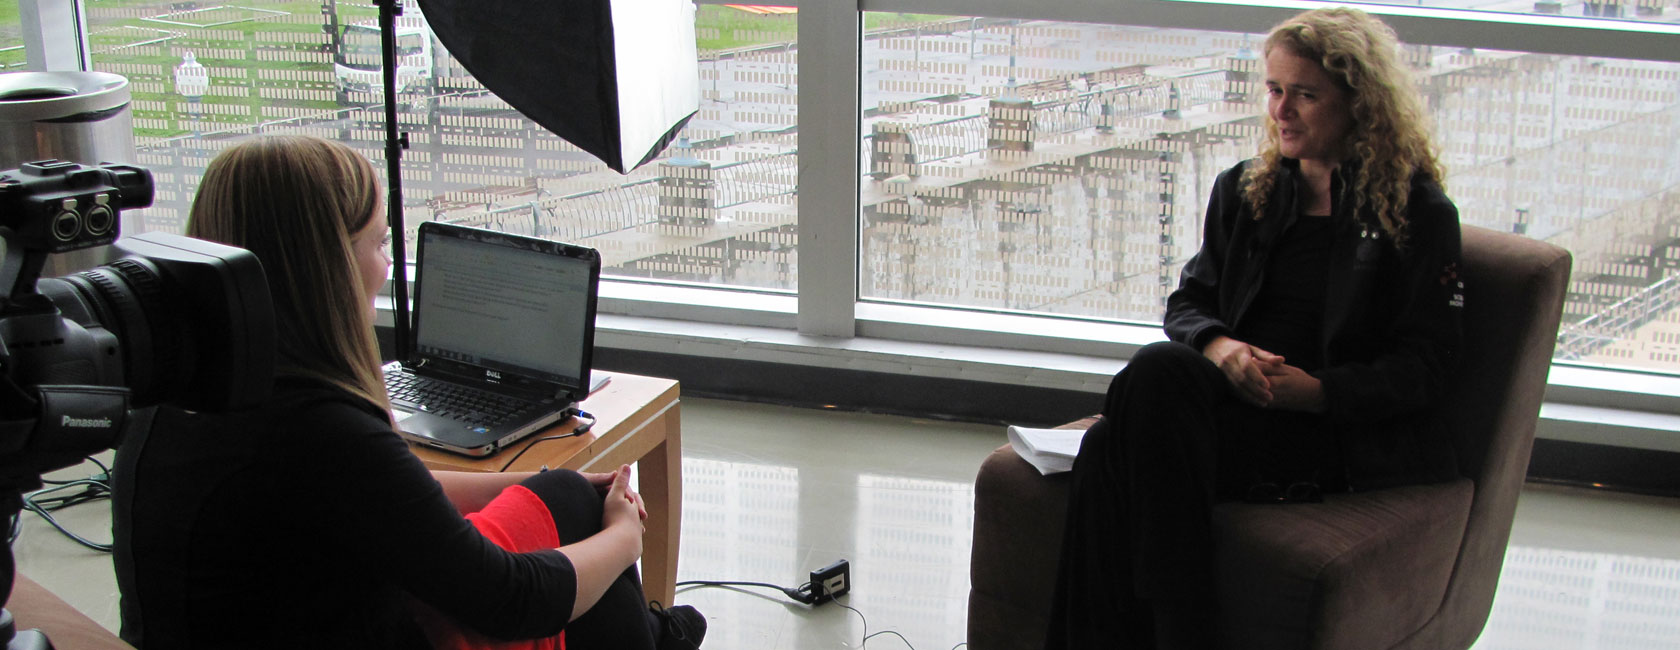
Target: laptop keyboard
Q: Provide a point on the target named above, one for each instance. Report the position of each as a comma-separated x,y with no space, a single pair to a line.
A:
462,403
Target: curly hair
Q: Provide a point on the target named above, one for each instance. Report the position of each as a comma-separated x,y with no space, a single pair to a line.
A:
1390,134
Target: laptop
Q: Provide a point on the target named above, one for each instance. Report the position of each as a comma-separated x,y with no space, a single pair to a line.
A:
503,330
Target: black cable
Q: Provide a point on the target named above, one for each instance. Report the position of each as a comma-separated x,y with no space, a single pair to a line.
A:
43,503
900,637
800,595
867,636
103,475
104,472
576,431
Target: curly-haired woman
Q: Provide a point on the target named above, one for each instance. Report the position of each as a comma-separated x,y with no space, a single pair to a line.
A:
1310,338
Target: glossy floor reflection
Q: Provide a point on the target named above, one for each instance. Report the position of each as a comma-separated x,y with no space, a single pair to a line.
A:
772,493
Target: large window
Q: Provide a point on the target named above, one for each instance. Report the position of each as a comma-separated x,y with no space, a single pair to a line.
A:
1045,167
1063,167
1052,162
717,208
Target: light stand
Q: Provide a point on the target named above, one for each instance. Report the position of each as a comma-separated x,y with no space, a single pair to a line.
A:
394,146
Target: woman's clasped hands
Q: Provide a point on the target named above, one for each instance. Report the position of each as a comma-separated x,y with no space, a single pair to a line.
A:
623,506
1263,379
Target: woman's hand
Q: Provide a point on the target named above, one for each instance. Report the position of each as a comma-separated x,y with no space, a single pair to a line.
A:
1295,390
601,557
1245,366
603,484
601,480
622,511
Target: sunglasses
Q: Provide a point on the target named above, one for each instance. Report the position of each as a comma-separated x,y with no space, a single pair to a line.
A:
1297,492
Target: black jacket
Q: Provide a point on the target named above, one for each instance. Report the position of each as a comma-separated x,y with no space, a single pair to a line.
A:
1392,316
307,523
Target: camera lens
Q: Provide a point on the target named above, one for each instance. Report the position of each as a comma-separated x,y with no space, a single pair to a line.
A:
129,298
67,225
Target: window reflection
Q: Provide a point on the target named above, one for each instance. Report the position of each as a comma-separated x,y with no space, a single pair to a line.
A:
910,534
740,523
1552,598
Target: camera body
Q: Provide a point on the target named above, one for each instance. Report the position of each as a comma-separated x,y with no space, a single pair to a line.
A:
175,320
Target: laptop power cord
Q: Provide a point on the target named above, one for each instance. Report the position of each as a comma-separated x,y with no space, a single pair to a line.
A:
826,584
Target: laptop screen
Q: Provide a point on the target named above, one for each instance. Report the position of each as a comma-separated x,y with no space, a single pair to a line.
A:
505,303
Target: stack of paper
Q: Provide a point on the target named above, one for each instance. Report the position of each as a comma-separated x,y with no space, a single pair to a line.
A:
1049,450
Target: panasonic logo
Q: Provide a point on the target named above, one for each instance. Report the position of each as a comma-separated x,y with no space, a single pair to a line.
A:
86,423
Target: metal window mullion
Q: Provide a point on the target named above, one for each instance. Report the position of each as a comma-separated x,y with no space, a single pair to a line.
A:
829,62
54,35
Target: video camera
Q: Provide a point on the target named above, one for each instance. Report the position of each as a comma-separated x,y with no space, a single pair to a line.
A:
175,320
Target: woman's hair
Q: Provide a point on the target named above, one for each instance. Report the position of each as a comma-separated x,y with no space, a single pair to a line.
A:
295,202
1389,136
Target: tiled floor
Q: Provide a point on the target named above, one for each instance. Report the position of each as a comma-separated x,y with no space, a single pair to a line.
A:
772,493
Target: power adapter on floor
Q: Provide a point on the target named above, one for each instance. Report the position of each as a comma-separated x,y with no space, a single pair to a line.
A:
830,582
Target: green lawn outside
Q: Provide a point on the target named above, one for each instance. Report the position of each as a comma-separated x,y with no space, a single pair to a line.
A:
737,29
11,26
9,19
873,21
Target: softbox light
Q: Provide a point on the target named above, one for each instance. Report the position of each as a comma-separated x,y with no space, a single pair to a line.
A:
616,78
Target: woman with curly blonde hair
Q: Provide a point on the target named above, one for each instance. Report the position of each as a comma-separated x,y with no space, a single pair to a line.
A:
1391,144
1309,341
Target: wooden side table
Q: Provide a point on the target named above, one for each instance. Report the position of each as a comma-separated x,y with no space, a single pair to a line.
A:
638,420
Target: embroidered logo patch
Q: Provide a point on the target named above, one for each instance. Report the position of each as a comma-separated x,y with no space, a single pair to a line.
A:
1449,277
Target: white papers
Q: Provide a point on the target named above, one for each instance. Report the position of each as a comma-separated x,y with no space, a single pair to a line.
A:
1049,450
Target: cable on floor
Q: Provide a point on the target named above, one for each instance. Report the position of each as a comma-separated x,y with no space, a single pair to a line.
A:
47,500
801,594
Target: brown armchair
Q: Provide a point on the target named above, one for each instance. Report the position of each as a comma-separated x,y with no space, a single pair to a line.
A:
1411,567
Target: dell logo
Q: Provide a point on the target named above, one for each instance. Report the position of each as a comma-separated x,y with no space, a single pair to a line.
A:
86,423
493,375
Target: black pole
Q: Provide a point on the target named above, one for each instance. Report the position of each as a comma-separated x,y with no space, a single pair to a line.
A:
336,33
394,145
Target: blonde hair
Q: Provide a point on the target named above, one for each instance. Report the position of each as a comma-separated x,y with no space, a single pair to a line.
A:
295,202
1390,134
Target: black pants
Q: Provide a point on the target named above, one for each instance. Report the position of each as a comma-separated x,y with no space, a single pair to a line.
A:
621,618
1174,440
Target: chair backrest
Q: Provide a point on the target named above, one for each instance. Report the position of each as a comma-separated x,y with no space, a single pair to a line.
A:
1514,291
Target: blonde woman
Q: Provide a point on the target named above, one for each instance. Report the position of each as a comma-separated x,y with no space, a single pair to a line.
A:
1310,338
306,523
